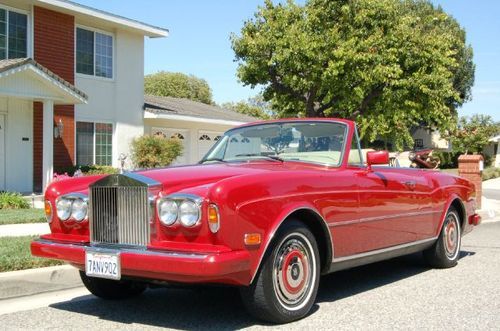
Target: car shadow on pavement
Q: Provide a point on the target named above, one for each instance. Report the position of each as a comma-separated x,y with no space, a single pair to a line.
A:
220,308
346,283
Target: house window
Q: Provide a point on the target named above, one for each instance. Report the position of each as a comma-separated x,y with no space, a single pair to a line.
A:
94,143
94,53
13,35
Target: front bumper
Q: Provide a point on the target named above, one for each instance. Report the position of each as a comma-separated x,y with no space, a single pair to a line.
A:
229,267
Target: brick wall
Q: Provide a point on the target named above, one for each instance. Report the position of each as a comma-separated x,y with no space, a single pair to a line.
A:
54,40
468,167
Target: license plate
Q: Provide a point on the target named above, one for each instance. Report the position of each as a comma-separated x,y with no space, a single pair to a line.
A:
102,265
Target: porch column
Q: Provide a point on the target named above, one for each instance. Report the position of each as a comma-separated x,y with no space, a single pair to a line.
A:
48,143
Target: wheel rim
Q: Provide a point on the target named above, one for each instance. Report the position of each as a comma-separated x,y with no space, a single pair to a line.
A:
451,236
293,271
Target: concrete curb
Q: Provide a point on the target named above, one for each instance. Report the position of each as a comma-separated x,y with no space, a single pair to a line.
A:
33,281
25,229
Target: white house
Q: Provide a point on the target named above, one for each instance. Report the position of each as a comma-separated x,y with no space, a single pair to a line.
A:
494,151
72,93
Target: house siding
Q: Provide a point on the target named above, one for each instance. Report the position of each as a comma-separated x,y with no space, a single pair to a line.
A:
118,101
54,40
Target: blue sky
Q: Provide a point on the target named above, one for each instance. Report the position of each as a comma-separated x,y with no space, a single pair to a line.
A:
199,42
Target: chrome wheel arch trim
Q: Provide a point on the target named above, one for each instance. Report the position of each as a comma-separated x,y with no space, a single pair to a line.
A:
449,203
324,225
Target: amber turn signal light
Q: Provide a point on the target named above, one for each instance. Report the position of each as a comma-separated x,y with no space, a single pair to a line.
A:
252,239
213,218
48,211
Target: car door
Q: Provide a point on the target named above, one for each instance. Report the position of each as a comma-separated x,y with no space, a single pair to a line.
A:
395,207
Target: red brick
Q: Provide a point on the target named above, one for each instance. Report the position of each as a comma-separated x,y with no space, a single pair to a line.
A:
54,40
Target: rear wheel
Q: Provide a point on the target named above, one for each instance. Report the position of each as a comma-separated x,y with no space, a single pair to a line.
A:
445,252
286,285
112,289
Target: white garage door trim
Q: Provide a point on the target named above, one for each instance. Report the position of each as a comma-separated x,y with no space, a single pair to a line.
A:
185,135
206,139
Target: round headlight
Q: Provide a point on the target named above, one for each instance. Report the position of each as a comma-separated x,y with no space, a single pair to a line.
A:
167,211
189,213
79,210
63,207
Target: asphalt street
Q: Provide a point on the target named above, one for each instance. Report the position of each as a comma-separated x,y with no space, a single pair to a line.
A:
402,293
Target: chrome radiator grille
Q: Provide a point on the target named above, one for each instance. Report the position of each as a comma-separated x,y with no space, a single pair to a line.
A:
119,215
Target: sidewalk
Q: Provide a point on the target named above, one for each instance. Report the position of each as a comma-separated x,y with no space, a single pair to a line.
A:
490,208
30,229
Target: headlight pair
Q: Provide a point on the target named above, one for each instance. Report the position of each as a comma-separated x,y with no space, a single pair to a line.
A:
185,209
72,206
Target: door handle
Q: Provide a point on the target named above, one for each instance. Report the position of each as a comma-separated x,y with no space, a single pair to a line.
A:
410,184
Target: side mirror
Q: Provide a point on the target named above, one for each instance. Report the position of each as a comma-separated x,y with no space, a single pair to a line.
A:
377,157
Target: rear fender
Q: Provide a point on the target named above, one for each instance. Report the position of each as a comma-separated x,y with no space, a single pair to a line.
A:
448,204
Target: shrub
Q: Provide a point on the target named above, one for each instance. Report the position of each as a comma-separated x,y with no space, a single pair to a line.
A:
99,170
11,200
152,151
87,170
490,173
449,160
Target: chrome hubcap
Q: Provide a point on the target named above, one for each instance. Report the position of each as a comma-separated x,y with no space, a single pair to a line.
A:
451,236
292,274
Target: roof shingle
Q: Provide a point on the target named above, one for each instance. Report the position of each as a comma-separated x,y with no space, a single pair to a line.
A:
186,107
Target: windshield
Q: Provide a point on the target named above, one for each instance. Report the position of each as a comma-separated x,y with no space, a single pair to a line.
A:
317,142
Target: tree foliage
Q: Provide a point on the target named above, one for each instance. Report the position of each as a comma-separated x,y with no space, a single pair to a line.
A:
472,133
178,85
255,106
388,64
153,151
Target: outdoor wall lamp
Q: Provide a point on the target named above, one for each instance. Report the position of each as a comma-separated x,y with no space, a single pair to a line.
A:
58,129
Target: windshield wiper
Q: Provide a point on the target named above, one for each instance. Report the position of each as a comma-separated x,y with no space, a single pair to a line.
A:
215,159
272,157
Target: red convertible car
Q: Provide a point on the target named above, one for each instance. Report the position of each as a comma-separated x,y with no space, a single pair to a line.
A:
271,207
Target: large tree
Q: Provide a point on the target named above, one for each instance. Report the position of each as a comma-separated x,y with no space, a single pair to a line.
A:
255,106
388,64
178,85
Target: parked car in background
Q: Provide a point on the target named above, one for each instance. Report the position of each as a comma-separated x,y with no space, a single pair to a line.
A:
271,207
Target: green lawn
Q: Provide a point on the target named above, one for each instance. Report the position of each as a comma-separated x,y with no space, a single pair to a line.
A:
15,255
18,216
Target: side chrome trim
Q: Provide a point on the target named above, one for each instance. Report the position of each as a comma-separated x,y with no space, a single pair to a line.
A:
383,250
173,254
380,218
271,236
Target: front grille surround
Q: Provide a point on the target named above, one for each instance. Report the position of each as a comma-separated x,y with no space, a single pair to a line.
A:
120,211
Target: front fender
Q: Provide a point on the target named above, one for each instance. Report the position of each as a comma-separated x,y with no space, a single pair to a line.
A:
270,226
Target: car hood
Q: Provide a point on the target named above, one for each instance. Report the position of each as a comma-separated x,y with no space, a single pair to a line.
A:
178,178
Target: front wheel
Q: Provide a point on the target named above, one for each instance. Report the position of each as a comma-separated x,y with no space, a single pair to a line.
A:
286,285
446,250
112,289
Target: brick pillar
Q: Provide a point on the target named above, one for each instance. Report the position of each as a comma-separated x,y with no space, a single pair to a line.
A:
471,167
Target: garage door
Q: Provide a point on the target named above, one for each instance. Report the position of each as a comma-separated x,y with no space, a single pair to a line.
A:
206,139
183,136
